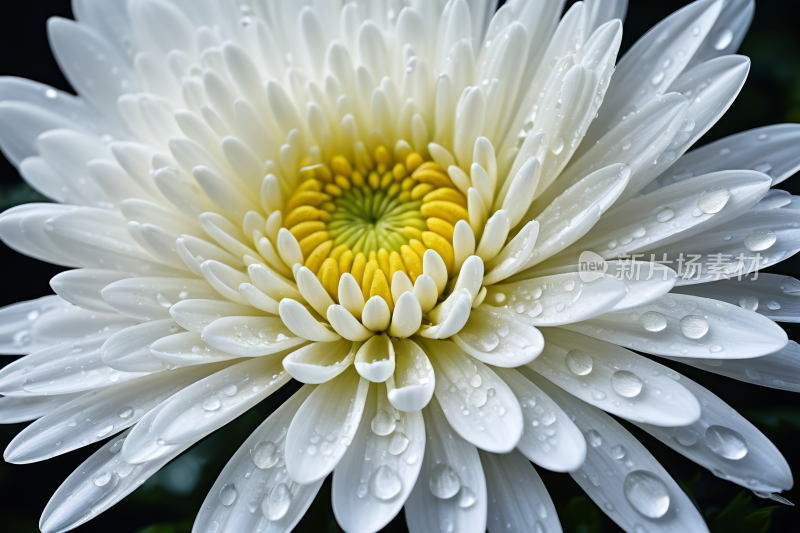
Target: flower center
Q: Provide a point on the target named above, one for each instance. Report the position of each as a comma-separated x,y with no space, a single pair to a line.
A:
373,217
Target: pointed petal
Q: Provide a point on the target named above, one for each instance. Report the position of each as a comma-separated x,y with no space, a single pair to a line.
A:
250,336
497,336
14,410
321,361
151,298
196,314
129,350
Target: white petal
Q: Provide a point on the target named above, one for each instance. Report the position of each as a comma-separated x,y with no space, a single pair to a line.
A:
407,316
97,415
426,292
258,299
289,248
614,379
70,322
411,387
321,361
494,236
17,321
186,349
463,243
346,325
14,410
514,256
216,400
559,299
313,291
273,284
250,336
264,486
375,359
376,315
621,476
72,366
727,444
550,439
301,323
324,427
433,266
497,336
81,498
492,422
196,314
450,316
401,283
376,475
518,499
22,230
452,467
151,298
129,350
471,276
731,332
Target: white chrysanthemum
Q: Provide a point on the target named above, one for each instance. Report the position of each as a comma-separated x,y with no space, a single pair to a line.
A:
387,200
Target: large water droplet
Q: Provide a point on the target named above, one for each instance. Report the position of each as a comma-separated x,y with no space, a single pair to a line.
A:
666,215
618,451
594,439
723,39
125,412
384,483
382,423
277,504
790,286
227,494
694,326
265,454
229,390
101,479
726,442
444,482
626,383
466,497
713,200
569,285
758,241
105,431
653,321
557,145
658,78
398,444
579,363
748,302
211,404
646,493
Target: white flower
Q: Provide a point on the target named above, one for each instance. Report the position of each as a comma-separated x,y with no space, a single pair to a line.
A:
389,201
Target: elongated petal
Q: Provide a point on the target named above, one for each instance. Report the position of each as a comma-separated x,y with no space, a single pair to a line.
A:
550,439
151,298
129,350
621,476
321,361
451,491
254,492
413,380
82,287
196,314
14,410
490,421
18,320
518,499
325,427
250,336
375,477
497,336
186,349
301,323
688,326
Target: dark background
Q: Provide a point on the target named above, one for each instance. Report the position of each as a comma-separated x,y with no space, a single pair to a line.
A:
168,502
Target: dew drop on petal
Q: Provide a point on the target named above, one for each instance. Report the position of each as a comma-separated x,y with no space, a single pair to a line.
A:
626,383
723,39
277,503
105,431
229,391
466,497
594,439
774,306
579,363
569,285
101,479
748,302
713,200
653,321
726,442
694,326
618,451
125,412
398,444
444,482
382,423
227,494
265,454
646,493
790,286
758,241
752,374
384,484
666,215
211,404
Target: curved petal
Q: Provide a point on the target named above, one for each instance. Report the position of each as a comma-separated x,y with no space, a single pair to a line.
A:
197,314
321,361
186,349
250,336
129,350
17,321
14,410
151,298
411,386
496,336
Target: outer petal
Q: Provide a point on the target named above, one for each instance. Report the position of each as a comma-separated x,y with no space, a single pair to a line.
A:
498,336
489,420
264,496
452,468
129,350
375,477
674,325
622,477
250,336
16,321
518,500
14,410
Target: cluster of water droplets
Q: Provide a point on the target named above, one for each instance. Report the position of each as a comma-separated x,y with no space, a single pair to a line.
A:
542,422
624,382
527,300
224,397
722,441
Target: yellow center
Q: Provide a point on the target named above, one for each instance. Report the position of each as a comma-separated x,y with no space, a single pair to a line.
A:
374,217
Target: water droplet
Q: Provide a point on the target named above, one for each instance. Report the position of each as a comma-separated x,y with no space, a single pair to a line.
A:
653,321
125,412
594,439
726,442
72,422
715,348
162,301
476,380
696,31
557,145
666,215
117,446
752,374
124,469
211,404
658,78
763,167
790,286
646,493
727,237
466,497
569,285
265,454
382,423
759,241
105,431
384,483
618,451
560,307
229,391
748,302
101,479
713,200
227,494
446,525
277,503
612,244
478,397
773,305
444,482
398,444
626,383
579,363
723,39
694,326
